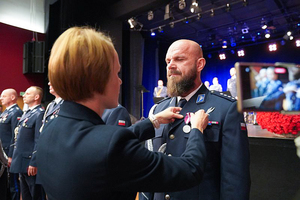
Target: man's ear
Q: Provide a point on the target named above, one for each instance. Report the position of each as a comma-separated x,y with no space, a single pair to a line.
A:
200,64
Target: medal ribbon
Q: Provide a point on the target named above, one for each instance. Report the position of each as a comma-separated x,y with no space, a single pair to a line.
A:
187,118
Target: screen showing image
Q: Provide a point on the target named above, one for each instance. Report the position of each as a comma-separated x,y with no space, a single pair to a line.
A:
268,87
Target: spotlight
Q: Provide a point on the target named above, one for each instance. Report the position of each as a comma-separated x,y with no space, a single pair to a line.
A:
241,53
224,44
227,7
160,29
134,24
267,34
222,56
131,22
245,3
150,15
273,47
212,12
152,33
199,16
168,13
291,37
232,42
194,8
289,33
245,29
263,24
171,24
297,43
186,20
181,4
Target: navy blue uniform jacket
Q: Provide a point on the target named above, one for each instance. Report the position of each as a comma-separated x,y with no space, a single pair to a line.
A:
226,175
79,157
27,138
118,116
8,122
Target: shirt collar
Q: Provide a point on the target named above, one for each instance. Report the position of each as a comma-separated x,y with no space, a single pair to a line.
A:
10,106
189,96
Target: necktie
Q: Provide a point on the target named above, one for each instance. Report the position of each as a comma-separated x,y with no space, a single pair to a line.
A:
181,102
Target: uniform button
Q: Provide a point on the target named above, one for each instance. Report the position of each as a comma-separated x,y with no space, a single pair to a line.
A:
169,154
172,136
167,197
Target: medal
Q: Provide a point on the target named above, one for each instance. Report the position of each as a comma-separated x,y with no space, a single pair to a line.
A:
187,128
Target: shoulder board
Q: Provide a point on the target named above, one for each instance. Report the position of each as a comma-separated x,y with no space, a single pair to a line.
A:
224,96
163,100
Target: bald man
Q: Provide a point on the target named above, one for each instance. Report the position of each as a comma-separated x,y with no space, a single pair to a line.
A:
231,83
8,122
227,174
27,134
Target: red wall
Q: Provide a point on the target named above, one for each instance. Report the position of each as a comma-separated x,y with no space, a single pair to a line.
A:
11,59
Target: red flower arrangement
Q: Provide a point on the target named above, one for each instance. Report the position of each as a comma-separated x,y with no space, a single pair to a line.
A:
279,123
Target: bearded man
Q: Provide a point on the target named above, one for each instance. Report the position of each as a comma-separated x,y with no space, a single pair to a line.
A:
227,173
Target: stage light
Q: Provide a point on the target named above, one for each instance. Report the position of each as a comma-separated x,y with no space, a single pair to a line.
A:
131,22
181,4
222,56
297,43
291,37
267,34
273,47
160,29
212,12
152,33
134,24
245,28
194,8
263,24
168,13
227,7
289,33
199,16
245,3
186,20
232,42
241,53
171,24
150,15
224,44
209,55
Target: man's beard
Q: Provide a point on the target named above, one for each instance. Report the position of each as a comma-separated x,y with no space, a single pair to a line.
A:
181,87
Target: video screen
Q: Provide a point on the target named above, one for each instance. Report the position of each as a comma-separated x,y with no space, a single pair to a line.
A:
268,87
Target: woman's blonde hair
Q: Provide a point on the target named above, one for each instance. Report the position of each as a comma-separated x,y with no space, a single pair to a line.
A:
80,63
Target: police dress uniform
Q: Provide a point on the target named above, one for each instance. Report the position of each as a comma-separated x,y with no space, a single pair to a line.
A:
79,157
227,173
117,116
27,134
8,122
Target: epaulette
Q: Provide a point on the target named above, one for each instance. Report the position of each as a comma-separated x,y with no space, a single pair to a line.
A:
224,96
163,100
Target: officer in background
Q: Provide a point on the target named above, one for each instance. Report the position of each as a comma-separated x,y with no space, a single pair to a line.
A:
27,134
8,122
231,83
227,172
117,116
160,90
52,108
216,86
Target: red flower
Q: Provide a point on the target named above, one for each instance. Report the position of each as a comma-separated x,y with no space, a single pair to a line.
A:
279,123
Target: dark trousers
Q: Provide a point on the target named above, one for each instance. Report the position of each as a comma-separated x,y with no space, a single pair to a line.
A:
14,186
30,190
3,185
